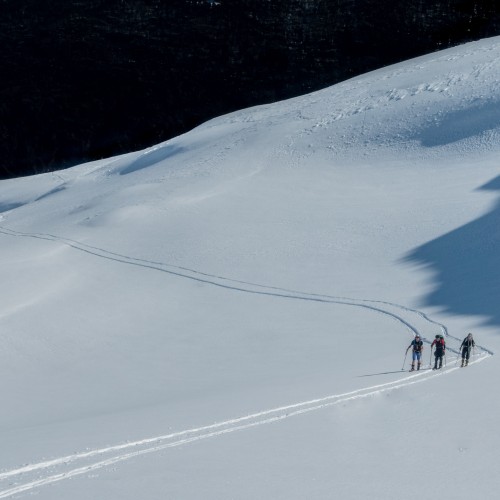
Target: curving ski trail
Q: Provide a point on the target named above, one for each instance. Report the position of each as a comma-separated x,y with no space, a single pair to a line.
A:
227,283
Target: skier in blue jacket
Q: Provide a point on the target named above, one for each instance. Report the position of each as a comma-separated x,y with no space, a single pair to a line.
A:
417,346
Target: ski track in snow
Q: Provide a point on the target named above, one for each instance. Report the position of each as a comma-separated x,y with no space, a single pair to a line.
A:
32,476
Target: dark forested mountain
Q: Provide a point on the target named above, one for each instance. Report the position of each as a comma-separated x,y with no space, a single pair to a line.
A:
89,79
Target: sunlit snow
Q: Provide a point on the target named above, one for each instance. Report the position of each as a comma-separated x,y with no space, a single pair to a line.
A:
225,315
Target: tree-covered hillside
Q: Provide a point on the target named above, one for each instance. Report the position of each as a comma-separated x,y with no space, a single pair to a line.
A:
89,79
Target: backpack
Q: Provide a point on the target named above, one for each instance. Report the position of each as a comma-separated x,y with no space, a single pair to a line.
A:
440,345
417,345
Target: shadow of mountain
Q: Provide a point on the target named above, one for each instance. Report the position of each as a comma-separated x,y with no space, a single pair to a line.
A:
462,124
466,262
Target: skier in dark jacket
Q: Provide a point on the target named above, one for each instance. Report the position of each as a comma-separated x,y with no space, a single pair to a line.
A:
418,346
466,347
439,352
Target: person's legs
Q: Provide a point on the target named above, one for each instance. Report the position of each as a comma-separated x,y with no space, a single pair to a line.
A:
413,358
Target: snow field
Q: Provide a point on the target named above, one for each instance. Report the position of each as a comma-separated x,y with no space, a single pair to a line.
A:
225,315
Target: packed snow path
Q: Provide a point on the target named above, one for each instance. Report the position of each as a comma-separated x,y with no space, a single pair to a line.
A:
59,469
30,477
36,475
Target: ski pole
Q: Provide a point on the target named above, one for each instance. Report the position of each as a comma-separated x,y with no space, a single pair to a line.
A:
404,362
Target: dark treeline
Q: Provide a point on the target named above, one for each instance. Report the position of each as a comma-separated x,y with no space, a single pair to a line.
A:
89,79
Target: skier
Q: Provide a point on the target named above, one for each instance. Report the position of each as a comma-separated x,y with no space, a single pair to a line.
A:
439,352
466,347
418,347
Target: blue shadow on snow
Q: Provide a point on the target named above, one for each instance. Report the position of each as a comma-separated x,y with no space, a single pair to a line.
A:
462,124
151,158
466,263
5,207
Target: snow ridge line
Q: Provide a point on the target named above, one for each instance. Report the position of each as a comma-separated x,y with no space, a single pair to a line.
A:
234,425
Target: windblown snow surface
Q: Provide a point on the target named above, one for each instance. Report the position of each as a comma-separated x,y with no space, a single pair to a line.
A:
225,315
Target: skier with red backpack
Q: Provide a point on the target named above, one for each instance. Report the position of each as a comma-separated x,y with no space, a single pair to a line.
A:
440,345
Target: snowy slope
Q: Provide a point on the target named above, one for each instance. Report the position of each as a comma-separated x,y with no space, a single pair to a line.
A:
225,315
